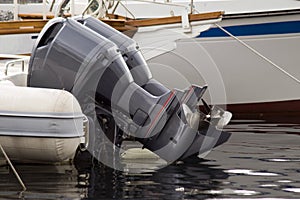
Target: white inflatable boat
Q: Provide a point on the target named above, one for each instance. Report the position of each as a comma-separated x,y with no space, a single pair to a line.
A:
38,124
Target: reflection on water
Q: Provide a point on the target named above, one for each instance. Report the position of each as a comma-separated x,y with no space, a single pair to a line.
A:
173,182
259,161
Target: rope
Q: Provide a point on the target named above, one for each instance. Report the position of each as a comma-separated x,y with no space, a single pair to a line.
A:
14,170
259,54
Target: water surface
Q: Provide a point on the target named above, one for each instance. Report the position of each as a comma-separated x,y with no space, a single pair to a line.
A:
259,161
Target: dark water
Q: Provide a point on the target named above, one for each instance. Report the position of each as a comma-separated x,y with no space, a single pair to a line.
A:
259,161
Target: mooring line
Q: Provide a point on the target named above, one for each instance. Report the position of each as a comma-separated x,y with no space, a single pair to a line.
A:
12,167
259,54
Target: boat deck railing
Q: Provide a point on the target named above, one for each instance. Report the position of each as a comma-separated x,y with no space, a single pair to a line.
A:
106,5
45,10
14,60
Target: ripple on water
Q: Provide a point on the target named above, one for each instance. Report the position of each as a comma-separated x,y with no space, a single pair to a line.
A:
295,190
249,166
250,172
232,191
284,181
281,159
268,185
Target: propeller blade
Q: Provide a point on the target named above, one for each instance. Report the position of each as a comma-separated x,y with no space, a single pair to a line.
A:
207,108
192,118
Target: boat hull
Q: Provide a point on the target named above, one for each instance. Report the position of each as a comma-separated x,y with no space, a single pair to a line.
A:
280,111
254,88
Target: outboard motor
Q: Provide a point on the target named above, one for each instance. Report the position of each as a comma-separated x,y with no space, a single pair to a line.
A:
104,68
130,52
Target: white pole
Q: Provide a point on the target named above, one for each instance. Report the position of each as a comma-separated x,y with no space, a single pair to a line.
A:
192,6
72,7
16,10
44,10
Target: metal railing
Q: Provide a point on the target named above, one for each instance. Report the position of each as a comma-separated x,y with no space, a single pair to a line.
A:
102,5
45,10
15,59
110,4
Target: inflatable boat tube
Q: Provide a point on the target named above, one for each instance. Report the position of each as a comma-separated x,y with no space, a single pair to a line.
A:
40,125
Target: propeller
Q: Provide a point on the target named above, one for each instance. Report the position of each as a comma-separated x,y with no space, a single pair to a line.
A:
207,108
216,115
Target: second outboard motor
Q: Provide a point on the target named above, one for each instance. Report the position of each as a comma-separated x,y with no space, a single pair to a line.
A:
87,62
130,52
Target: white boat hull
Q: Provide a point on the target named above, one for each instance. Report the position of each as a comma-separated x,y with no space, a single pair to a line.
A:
17,43
250,82
246,76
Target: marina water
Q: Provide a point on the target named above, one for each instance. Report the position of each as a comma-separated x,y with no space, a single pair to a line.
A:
259,161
